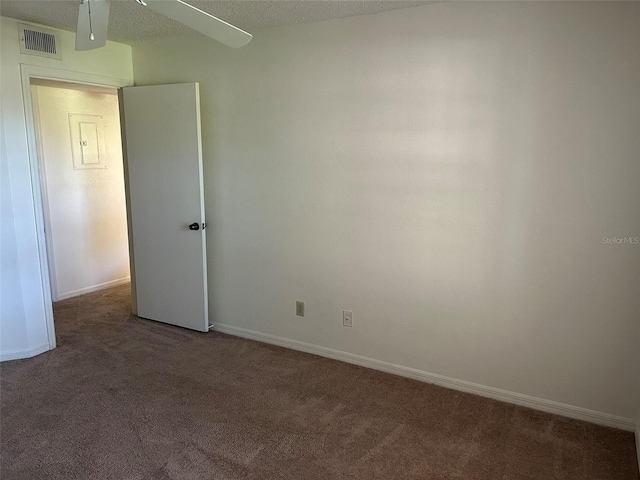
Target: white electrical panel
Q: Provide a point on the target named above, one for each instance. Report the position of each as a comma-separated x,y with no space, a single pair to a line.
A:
87,141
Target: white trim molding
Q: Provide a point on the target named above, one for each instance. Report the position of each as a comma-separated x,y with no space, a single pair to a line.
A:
94,288
638,441
548,406
18,354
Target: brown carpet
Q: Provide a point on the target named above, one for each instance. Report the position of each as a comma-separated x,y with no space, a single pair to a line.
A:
123,398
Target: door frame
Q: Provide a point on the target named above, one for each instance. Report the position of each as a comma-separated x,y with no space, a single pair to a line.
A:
36,165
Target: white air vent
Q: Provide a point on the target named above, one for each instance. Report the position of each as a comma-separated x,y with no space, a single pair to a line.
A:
39,41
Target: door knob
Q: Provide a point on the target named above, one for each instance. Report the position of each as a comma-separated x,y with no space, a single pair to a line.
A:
194,226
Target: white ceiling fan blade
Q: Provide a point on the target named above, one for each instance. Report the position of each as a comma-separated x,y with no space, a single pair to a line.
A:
203,22
93,17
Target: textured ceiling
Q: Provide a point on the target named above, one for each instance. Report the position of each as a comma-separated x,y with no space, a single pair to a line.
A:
131,23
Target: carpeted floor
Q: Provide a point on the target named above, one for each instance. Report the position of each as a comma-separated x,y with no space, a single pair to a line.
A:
123,398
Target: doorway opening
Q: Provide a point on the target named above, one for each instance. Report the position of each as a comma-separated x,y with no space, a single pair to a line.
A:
80,162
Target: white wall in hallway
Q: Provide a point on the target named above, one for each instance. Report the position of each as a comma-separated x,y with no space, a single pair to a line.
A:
447,173
23,327
85,207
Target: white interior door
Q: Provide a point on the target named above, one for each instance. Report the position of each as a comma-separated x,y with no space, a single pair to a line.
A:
163,158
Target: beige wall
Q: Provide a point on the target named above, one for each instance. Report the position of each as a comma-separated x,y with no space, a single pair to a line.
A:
85,207
447,173
23,328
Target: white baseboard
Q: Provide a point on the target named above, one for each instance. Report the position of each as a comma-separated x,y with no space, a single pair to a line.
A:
94,288
18,354
441,380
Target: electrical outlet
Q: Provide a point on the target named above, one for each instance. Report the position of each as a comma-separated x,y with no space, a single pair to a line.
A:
300,309
347,318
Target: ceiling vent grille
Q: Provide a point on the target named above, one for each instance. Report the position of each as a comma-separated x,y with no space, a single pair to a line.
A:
38,41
